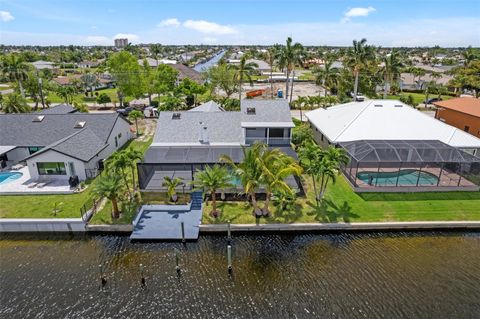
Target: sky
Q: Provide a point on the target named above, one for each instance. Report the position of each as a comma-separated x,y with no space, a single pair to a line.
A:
447,23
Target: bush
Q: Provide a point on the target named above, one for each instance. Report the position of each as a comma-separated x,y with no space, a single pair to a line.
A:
154,103
301,133
103,98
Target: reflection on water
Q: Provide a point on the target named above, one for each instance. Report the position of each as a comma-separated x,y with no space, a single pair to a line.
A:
428,275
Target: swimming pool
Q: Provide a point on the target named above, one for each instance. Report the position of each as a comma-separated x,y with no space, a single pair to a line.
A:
406,177
7,177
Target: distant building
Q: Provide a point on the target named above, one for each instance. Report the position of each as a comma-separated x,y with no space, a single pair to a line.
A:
121,43
463,113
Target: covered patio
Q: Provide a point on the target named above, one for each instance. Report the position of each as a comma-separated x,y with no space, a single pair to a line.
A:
409,166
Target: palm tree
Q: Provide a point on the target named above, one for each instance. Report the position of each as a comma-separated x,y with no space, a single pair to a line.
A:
211,179
287,57
14,103
109,186
327,76
156,49
332,160
67,93
15,69
248,171
244,71
133,156
270,57
134,116
468,55
276,167
310,156
118,163
392,69
171,184
357,59
89,81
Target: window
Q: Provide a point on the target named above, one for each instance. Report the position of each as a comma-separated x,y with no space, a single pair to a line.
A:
34,149
466,128
71,168
51,168
321,137
116,141
80,124
275,132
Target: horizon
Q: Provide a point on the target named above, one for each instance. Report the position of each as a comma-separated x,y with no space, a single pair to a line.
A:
240,23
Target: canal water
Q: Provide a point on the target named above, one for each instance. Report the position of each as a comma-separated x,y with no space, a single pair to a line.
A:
209,63
406,275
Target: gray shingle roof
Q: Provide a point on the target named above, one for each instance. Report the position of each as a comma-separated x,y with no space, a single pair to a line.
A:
59,109
267,111
210,106
82,145
19,130
222,127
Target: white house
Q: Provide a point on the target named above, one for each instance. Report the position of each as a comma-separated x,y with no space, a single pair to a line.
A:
63,144
384,120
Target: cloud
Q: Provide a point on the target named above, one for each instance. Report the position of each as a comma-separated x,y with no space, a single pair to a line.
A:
208,27
98,40
130,36
6,16
172,22
357,12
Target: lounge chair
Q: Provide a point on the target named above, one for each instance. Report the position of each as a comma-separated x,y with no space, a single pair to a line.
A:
32,184
43,184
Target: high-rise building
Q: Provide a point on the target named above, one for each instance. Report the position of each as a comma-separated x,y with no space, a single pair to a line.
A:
121,43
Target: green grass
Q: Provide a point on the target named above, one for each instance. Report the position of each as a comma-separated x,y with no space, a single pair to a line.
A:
112,93
41,206
418,98
342,204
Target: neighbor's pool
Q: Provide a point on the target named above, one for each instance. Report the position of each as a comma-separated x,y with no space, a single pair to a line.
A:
7,177
406,177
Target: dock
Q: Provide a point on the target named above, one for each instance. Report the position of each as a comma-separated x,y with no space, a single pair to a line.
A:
164,222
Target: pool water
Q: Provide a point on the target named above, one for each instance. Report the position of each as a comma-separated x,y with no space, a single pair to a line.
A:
7,177
406,177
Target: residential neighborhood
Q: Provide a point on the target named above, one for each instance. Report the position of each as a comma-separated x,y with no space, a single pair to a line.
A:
219,159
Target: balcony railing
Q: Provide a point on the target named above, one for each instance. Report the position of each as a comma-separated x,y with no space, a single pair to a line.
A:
272,141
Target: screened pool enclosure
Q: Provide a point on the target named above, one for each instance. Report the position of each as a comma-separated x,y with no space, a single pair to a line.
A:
409,165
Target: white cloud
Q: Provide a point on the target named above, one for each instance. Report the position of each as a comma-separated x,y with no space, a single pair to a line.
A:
208,27
172,22
130,36
6,16
357,12
98,40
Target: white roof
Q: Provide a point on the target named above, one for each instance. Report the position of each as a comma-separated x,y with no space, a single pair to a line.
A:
6,148
393,120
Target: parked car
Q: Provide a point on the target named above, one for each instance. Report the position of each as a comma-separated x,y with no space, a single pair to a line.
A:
126,110
360,97
432,100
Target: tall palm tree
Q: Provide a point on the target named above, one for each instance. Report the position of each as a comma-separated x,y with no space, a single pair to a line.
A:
327,76
211,179
171,184
117,163
270,57
109,186
156,50
14,103
15,69
249,172
288,56
135,115
357,59
276,167
333,159
244,71
393,64
468,55
310,156
133,156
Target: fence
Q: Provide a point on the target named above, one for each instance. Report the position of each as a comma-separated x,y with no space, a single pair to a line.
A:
92,173
91,204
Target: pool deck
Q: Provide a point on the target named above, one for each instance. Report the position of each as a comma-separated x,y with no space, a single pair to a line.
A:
21,186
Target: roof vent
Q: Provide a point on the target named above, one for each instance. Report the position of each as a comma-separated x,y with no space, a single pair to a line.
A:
80,124
176,116
378,105
38,118
250,110
398,105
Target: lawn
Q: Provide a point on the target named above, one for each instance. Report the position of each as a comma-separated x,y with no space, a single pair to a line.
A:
342,204
41,206
418,98
112,93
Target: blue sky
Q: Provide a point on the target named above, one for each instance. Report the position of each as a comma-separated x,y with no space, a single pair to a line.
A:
329,22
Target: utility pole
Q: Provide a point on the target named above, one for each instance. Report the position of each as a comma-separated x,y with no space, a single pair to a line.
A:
41,91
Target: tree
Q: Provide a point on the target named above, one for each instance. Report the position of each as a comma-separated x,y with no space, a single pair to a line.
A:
165,79
249,172
327,76
148,81
134,116
109,186
310,156
329,168
15,103
133,156
171,184
467,78
357,59
156,50
288,56
80,107
276,167
221,77
66,92
392,69
212,179
127,74
15,69
89,81
103,98
191,89
117,163
243,71
33,89
270,57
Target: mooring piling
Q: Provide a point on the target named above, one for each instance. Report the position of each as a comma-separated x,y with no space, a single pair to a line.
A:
177,267
229,258
182,225
103,280
142,277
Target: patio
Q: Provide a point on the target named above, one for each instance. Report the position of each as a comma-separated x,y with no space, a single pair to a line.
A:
21,185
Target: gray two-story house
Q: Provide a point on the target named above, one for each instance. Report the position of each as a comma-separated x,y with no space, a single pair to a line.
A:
187,141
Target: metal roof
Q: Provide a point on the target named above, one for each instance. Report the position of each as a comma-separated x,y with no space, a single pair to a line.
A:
406,151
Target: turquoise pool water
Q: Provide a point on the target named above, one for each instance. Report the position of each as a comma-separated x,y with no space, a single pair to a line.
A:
406,177
7,177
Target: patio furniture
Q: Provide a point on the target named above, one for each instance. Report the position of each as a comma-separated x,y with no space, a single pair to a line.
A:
43,184
32,184
17,167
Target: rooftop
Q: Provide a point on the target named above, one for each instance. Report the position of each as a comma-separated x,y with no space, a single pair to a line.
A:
467,105
385,120
59,109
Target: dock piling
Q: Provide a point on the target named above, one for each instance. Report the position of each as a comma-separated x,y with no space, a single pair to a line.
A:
183,232
103,280
142,280
229,258
229,234
177,267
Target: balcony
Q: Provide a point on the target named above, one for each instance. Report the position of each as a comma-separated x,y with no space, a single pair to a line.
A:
271,141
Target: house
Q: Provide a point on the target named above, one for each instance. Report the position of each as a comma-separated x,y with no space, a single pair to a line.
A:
189,140
90,64
187,72
58,143
41,65
394,147
104,80
155,62
59,109
462,112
